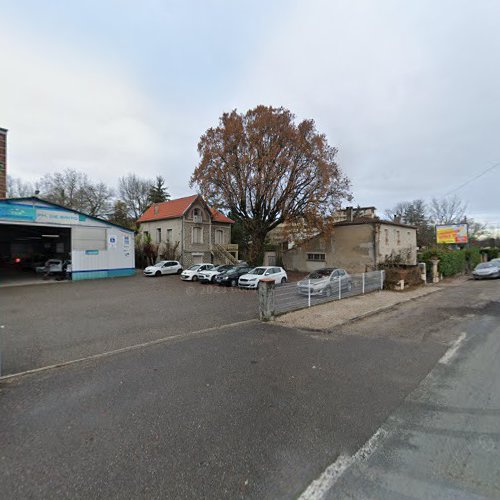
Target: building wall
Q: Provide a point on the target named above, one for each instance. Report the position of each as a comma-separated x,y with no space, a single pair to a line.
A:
3,163
98,249
396,240
174,224
357,248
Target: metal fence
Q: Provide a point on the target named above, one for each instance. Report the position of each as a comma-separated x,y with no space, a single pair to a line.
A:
292,296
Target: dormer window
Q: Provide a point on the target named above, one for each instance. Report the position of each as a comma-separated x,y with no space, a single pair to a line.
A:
197,215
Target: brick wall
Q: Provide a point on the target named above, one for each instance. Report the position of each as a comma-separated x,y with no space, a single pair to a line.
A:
3,163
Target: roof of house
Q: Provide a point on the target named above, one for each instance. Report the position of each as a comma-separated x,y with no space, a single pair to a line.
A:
177,208
372,220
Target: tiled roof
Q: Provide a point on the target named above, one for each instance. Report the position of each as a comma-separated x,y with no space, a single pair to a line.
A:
176,208
371,220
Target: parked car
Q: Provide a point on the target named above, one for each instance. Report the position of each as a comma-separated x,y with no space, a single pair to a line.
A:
486,270
257,274
190,274
208,276
325,282
231,276
51,266
163,267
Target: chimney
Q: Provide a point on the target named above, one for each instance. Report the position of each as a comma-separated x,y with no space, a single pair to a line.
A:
3,163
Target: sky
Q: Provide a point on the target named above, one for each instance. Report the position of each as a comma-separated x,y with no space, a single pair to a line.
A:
409,92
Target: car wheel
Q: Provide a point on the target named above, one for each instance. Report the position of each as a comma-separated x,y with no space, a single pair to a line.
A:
234,283
283,280
212,279
158,273
328,291
179,271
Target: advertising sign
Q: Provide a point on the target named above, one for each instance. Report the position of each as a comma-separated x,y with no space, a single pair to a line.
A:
50,216
112,240
17,212
451,233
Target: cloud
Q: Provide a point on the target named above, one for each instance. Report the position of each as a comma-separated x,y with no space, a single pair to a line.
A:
69,109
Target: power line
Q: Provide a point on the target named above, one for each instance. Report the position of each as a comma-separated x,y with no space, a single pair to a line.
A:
473,178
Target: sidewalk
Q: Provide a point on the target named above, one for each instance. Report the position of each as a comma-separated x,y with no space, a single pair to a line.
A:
335,313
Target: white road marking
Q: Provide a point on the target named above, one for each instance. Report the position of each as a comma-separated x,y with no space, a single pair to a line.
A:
186,335
450,353
320,487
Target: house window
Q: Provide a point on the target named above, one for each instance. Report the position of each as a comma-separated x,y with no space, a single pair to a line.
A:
169,235
146,234
197,236
316,256
158,235
398,237
197,216
386,234
219,236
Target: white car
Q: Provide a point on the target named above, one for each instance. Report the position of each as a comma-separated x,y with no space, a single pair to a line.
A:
163,267
208,275
257,274
190,274
325,282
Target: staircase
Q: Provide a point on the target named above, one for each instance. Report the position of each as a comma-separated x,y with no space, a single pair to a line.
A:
221,255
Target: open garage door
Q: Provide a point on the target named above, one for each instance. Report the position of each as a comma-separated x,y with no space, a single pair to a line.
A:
25,249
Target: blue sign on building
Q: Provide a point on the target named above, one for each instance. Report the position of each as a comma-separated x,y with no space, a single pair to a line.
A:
16,211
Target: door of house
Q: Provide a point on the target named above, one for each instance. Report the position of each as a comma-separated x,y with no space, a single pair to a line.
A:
197,258
219,236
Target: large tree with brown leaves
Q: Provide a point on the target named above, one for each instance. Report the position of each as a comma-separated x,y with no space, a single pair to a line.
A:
267,170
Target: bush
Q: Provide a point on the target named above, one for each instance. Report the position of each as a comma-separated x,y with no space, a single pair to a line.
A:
410,275
452,262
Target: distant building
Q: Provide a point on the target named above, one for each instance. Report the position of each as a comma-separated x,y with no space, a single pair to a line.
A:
200,233
3,163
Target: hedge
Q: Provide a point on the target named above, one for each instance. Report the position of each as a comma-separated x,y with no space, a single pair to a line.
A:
452,262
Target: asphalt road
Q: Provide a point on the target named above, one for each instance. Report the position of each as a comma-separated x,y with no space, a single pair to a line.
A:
444,440
52,323
255,411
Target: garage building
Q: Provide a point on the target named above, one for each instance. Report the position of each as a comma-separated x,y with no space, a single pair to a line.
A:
33,230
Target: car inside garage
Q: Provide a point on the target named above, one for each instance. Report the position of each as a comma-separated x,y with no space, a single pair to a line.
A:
26,249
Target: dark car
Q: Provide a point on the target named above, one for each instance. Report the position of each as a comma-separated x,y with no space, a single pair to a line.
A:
231,276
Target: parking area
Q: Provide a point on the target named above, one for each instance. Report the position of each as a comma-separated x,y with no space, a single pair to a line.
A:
49,324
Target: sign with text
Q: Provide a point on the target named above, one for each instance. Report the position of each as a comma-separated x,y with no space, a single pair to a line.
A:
452,234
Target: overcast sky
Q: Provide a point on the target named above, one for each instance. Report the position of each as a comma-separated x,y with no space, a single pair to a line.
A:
409,92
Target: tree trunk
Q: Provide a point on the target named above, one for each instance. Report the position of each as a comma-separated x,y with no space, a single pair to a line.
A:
257,248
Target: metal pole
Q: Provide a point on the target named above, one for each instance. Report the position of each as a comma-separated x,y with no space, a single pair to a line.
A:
309,294
381,280
340,287
363,284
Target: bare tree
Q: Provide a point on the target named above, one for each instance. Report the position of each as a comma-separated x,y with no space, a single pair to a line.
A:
73,189
17,188
134,192
447,210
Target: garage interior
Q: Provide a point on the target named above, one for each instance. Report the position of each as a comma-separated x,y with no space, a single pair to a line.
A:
23,248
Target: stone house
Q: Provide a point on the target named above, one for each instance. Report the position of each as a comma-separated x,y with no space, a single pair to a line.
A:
199,233
357,245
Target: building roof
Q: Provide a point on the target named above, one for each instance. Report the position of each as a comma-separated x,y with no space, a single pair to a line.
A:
173,209
34,199
371,220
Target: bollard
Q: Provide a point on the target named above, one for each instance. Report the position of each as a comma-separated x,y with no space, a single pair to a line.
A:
266,299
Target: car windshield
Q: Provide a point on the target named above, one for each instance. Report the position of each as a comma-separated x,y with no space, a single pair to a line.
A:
159,264
258,270
194,268
485,265
223,268
320,273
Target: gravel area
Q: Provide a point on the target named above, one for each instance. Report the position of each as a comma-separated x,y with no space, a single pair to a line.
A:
335,313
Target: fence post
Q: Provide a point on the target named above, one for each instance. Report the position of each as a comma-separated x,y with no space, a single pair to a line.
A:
266,299
363,284
381,280
309,294
340,287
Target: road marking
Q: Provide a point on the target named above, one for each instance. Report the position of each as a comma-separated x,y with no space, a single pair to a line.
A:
320,487
450,353
126,349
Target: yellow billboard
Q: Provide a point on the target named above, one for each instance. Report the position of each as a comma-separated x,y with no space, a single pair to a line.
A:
452,233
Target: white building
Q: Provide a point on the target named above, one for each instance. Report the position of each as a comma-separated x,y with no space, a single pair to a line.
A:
33,230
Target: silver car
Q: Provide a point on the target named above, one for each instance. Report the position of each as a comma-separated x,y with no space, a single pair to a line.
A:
486,270
325,282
